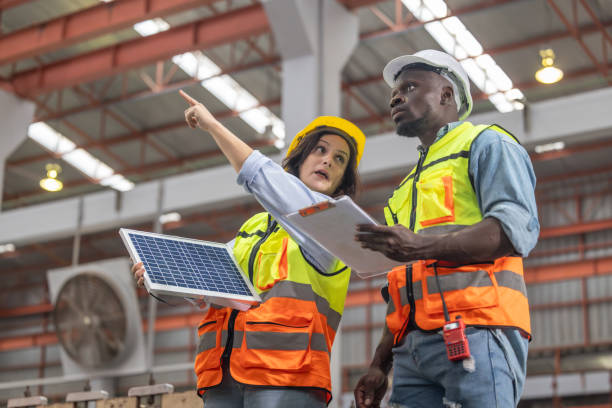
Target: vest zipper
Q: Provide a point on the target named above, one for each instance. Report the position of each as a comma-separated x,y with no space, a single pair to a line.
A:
229,344
253,255
417,173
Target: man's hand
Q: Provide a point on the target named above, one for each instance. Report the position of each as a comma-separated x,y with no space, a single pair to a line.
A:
197,115
396,242
371,389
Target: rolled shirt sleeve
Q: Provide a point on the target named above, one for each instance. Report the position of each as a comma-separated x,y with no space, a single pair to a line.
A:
504,182
281,193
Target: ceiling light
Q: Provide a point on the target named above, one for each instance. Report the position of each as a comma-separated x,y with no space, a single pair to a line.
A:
79,158
51,183
548,74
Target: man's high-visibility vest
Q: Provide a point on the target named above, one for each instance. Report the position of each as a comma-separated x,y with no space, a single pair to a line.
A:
286,340
437,196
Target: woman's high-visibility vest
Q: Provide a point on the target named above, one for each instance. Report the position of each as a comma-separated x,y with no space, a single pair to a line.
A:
436,197
286,340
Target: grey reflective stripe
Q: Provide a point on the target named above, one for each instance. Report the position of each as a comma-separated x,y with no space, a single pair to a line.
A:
390,307
276,340
404,296
417,290
512,280
304,291
462,280
458,280
318,342
442,229
285,341
238,334
207,341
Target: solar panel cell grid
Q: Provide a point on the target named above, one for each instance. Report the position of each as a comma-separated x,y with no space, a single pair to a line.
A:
187,264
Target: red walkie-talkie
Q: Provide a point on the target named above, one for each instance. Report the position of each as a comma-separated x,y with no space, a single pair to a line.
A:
453,331
457,346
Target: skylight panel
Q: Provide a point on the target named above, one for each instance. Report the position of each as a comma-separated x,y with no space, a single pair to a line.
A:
231,93
455,39
150,27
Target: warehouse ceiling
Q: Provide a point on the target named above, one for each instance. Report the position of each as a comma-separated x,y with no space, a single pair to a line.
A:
110,88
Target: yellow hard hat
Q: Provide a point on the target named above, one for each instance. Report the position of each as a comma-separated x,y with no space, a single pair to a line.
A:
333,124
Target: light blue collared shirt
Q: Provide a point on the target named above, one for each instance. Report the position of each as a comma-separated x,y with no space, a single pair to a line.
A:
281,193
504,182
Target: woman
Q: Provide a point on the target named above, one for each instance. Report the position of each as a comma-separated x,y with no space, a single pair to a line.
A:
277,353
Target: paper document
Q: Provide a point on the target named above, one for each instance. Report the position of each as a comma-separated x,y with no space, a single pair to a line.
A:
333,225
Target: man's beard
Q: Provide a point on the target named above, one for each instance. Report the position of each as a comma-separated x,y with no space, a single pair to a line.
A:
414,128
410,129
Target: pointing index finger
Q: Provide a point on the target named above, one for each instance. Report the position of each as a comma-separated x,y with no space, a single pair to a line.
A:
188,98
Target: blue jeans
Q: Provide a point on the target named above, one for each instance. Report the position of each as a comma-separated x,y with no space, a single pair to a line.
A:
232,394
423,377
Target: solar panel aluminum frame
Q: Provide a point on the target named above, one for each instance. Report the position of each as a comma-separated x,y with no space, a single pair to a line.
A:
233,301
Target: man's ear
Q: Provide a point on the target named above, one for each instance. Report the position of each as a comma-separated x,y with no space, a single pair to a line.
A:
447,96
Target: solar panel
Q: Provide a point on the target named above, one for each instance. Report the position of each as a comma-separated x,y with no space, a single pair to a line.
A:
190,268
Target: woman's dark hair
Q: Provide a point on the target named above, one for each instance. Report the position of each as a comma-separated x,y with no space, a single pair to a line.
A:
350,181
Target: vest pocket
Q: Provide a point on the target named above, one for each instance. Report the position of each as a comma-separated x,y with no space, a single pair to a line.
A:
278,342
462,289
209,344
271,264
435,198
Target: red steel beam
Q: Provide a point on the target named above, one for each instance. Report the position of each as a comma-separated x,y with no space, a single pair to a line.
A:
134,134
399,28
85,24
207,33
26,310
276,59
578,37
568,270
170,87
591,13
574,229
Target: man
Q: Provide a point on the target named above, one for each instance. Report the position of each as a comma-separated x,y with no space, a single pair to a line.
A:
462,220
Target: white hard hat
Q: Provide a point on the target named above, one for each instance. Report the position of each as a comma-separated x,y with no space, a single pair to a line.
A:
451,70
